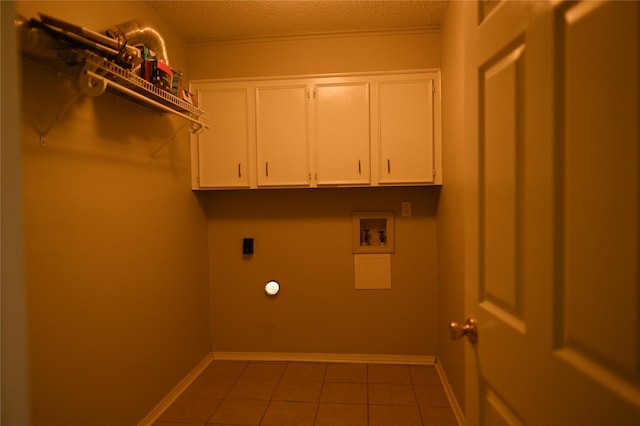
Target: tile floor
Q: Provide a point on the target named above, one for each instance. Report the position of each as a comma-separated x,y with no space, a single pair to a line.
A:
312,394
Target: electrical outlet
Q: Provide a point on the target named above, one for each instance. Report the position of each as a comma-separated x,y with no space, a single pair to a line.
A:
247,246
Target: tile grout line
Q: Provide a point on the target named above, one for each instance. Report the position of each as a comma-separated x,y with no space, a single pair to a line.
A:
415,396
367,390
324,378
273,393
226,394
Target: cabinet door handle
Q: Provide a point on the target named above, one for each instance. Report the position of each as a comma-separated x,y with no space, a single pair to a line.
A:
239,171
359,168
266,168
388,165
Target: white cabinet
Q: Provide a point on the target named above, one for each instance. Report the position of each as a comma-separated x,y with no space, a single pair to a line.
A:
406,131
342,133
375,129
282,135
223,160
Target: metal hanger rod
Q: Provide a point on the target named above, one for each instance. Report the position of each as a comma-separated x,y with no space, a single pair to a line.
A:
144,98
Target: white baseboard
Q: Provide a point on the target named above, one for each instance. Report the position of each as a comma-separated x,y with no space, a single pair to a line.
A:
157,411
457,410
326,357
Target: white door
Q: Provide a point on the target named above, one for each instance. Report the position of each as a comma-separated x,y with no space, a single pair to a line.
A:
406,131
223,149
552,248
342,133
282,135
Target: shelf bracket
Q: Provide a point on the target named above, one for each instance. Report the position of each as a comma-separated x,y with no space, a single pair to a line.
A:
44,133
159,148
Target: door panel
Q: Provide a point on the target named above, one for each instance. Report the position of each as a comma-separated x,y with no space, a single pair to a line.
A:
342,133
500,183
406,131
282,135
498,412
553,228
599,174
223,149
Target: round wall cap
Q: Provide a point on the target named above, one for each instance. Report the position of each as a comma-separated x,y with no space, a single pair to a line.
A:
272,288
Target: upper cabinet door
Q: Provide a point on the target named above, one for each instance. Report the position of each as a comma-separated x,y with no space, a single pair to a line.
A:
406,125
222,149
342,133
282,135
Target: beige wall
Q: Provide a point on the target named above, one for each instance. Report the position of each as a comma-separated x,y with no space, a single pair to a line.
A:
303,237
450,223
316,55
116,244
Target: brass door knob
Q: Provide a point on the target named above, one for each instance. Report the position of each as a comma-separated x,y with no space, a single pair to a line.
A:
469,329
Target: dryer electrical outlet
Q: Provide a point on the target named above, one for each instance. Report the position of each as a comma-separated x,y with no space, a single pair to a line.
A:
247,246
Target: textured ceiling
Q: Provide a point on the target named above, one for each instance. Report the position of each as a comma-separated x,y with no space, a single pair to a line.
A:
201,21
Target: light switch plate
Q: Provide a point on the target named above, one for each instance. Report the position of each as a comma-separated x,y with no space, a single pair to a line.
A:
406,208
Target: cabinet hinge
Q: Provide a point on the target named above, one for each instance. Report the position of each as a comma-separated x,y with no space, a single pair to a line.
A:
433,88
434,173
